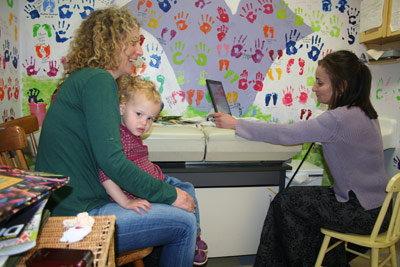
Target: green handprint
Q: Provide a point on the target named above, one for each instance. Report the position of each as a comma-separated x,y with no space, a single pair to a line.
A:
202,80
201,59
179,47
299,21
316,21
281,13
336,27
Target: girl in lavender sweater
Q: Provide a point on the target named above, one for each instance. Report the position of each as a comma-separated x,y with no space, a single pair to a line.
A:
352,146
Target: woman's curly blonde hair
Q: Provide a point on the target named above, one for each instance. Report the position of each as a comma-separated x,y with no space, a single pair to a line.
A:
97,42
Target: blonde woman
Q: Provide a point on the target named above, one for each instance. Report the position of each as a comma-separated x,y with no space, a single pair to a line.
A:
80,134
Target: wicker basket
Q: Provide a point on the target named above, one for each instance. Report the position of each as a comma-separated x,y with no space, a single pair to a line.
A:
100,241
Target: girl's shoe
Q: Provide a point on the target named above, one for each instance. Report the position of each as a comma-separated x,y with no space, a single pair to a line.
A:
201,245
200,257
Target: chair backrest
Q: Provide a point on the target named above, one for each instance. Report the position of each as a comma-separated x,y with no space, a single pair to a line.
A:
392,196
12,141
30,125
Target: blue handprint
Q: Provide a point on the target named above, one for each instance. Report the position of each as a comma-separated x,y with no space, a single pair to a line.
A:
326,5
33,95
15,57
86,12
291,44
342,4
49,3
350,33
315,51
165,5
6,48
64,11
32,11
155,58
60,38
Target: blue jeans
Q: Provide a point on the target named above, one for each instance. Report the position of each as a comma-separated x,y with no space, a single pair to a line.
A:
164,225
188,188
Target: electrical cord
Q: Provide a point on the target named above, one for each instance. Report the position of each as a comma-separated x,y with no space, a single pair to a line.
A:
298,167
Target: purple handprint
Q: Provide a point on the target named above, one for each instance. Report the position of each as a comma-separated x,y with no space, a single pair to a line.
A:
291,44
53,69
258,55
237,48
30,67
315,51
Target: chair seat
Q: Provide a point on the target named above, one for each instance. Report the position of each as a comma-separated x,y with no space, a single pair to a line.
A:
133,256
361,240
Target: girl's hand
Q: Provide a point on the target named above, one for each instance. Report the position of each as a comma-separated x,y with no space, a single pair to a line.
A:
137,204
226,121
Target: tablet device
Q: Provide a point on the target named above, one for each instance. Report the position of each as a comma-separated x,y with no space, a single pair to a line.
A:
218,97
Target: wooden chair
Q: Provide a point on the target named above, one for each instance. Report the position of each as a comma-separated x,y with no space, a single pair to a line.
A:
375,240
30,125
12,141
133,256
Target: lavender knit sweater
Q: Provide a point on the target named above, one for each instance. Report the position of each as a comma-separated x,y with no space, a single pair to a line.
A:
352,147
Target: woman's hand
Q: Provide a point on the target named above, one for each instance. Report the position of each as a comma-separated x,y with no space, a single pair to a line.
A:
226,121
184,201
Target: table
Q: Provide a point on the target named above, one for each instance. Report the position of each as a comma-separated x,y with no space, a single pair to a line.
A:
100,241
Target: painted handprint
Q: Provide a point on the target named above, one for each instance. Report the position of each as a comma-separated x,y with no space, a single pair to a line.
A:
16,88
15,57
243,84
30,67
33,94
326,5
147,3
222,15
53,69
87,8
49,4
6,48
201,50
161,80
237,48
5,115
258,83
32,11
179,47
353,15
180,94
303,112
334,21
181,21
153,21
291,43
201,3
64,9
249,12
351,34
267,5
62,31
303,97
2,91
206,22
165,5
396,161
42,51
316,47
342,5
202,80
316,21
287,99
259,47
281,13
155,57
222,32
299,21
10,89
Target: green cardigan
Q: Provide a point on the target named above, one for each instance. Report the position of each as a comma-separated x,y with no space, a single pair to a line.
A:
80,134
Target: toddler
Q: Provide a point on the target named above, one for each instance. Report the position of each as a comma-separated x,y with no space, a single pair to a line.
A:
140,105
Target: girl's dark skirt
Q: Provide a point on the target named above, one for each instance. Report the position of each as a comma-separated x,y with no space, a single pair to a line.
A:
291,233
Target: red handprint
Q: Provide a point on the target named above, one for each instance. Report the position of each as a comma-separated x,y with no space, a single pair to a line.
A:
243,81
287,99
223,17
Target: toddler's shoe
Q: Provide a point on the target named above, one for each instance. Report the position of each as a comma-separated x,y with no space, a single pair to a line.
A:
201,245
200,257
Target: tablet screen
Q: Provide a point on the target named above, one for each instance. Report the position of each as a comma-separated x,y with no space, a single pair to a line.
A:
218,97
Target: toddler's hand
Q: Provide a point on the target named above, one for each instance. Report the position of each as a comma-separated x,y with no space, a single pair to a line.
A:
138,205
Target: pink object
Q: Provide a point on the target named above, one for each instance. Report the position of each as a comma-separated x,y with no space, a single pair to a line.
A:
39,110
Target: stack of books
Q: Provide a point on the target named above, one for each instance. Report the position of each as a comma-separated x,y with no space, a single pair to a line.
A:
23,196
